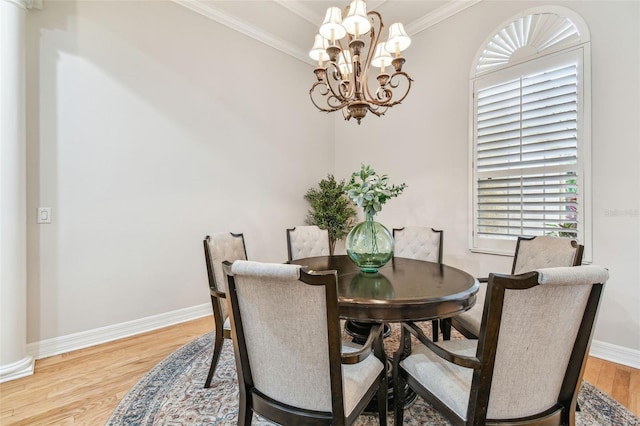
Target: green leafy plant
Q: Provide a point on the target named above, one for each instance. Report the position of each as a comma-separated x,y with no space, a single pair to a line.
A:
567,229
330,209
371,191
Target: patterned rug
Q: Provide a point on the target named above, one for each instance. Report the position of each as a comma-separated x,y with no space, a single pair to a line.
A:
172,393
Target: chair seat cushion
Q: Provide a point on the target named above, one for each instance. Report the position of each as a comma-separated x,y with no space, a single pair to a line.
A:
227,324
472,318
358,378
448,382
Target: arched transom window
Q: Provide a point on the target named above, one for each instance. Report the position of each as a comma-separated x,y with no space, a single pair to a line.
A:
530,143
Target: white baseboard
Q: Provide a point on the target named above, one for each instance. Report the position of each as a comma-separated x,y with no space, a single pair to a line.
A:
614,353
83,339
49,347
15,370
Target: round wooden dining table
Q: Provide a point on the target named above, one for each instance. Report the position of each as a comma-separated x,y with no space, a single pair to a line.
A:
402,290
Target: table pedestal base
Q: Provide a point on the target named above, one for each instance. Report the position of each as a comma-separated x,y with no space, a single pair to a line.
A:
359,331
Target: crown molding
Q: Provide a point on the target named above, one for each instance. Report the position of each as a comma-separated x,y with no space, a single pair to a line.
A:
447,11
210,11
302,11
298,8
26,4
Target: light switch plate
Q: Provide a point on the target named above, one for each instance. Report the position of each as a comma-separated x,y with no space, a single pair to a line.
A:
44,214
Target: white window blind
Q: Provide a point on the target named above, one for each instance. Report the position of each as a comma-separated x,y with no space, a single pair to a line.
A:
527,174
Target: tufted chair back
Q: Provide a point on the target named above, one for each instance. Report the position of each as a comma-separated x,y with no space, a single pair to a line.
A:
218,248
418,242
224,246
307,241
531,253
545,252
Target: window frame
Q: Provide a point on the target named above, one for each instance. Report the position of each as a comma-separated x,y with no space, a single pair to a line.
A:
581,53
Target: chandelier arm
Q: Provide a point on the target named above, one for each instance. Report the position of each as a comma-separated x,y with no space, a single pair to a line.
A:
376,112
393,85
375,37
406,92
327,98
335,77
350,87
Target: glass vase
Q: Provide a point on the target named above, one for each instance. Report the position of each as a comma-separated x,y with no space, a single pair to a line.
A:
369,245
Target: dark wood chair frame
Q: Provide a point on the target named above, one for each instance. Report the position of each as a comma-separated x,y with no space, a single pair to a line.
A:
217,297
252,400
563,413
447,323
289,231
435,327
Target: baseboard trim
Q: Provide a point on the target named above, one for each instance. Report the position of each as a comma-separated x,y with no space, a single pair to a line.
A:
58,345
83,339
614,353
15,370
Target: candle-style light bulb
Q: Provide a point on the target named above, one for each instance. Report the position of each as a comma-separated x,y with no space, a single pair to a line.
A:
356,21
381,58
398,39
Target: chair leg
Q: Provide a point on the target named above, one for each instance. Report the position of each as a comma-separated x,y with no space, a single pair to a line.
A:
245,413
382,401
398,391
445,326
217,349
398,400
434,328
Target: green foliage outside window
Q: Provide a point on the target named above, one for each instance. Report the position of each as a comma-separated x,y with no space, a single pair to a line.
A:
567,229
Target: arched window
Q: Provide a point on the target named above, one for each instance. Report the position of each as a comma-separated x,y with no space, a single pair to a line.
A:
531,131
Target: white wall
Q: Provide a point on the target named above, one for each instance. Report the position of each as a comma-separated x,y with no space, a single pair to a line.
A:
142,142
150,126
425,143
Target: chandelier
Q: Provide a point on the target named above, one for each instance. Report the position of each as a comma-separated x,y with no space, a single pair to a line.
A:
345,83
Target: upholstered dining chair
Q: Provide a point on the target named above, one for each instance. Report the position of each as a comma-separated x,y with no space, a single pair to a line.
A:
292,367
218,248
307,241
531,253
420,243
526,367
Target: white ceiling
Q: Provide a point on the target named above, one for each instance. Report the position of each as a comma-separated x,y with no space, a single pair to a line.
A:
290,25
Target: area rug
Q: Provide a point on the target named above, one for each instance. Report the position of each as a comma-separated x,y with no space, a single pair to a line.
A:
172,393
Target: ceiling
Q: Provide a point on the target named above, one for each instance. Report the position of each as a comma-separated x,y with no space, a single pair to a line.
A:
290,25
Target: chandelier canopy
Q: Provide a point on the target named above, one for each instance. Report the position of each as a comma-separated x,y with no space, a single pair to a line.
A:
344,83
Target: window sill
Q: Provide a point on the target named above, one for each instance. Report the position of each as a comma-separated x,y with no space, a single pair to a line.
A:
490,251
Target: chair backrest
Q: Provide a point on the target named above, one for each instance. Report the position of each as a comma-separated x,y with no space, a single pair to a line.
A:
418,242
218,248
534,340
286,326
307,241
545,252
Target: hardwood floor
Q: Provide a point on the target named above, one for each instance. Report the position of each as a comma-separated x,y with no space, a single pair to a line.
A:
619,381
83,387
